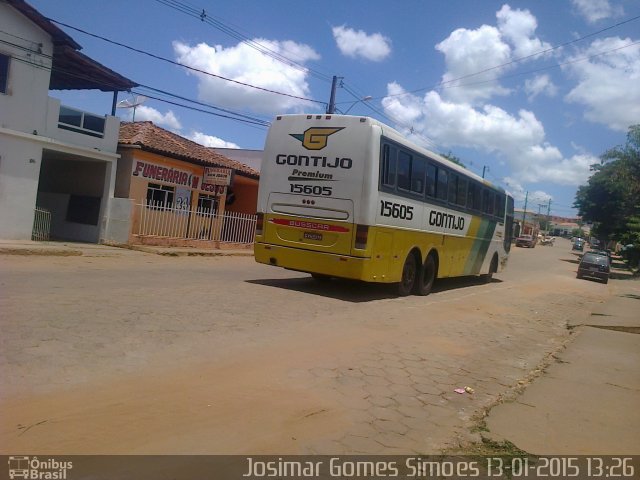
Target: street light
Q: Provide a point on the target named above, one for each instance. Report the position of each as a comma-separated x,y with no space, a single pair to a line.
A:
363,99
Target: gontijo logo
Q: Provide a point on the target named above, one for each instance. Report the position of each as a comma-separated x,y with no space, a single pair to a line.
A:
315,138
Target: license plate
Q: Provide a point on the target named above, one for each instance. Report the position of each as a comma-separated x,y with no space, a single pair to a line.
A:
312,236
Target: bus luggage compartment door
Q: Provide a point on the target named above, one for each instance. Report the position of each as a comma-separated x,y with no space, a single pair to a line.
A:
311,223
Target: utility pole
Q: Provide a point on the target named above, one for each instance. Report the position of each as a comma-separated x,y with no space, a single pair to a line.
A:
540,205
331,108
524,213
484,168
549,216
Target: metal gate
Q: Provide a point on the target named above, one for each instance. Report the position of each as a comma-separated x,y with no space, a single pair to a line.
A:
158,220
41,225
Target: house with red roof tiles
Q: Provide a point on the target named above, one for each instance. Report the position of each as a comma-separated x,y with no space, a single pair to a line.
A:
170,190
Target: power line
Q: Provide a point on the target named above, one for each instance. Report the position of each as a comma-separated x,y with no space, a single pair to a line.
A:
238,116
203,16
173,62
528,72
516,60
197,102
391,119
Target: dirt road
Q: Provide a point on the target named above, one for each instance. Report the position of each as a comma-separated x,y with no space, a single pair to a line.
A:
138,353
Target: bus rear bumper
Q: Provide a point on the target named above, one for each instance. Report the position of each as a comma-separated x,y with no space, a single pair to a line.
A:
343,266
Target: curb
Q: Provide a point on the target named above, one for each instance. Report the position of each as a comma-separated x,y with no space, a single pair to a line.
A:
41,252
187,253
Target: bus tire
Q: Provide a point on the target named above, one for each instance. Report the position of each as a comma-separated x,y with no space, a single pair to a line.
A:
492,269
426,277
409,274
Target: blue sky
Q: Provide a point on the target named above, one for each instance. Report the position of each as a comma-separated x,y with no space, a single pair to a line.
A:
461,76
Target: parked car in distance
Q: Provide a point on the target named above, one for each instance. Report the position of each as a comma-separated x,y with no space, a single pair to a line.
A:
594,265
525,241
578,245
605,253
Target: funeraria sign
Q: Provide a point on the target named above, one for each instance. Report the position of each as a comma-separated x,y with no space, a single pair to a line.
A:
165,174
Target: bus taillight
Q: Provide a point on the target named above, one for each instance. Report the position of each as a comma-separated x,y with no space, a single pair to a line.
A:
259,223
362,234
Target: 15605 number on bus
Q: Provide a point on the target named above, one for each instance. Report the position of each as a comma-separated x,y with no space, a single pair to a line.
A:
396,210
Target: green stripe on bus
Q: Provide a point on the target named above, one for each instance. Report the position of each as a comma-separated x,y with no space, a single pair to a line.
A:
480,247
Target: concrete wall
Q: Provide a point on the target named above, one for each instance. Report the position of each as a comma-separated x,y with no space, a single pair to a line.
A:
108,143
246,195
22,107
61,229
19,171
21,112
118,222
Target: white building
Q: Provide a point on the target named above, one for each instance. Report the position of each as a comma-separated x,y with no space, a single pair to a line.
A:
57,158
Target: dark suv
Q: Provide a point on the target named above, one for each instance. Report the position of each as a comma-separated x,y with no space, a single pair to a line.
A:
594,265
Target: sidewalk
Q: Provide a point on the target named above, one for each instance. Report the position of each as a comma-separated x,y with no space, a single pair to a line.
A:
26,247
586,402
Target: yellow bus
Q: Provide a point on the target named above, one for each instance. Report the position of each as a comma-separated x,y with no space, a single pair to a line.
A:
349,197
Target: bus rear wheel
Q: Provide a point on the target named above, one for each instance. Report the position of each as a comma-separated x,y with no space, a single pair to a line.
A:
492,269
426,277
408,276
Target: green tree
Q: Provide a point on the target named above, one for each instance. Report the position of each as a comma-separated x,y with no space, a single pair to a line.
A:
611,197
453,158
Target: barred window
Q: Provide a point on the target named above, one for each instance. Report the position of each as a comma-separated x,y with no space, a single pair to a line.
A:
160,196
207,204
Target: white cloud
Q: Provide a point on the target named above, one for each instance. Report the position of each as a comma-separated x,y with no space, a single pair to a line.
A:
518,140
461,116
211,141
519,193
468,52
594,10
608,85
144,113
245,64
352,43
540,84
519,26
485,49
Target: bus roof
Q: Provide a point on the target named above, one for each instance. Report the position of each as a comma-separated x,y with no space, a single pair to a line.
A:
400,138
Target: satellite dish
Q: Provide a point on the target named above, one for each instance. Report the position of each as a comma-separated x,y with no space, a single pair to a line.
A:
132,103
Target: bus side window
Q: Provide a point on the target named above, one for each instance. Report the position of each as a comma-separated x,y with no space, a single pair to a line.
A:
488,201
388,166
441,187
477,202
431,180
471,196
404,170
462,192
499,208
418,167
453,188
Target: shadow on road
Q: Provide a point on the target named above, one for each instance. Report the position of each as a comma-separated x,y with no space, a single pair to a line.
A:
571,260
359,292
